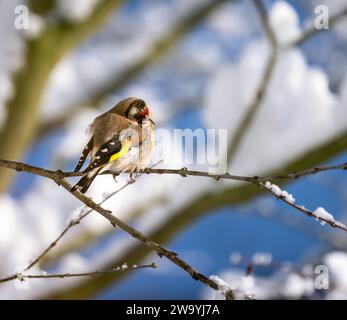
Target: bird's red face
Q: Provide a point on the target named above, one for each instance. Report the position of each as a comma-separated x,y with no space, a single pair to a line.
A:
144,114
138,111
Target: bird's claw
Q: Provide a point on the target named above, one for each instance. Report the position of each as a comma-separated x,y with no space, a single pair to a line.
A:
115,175
131,178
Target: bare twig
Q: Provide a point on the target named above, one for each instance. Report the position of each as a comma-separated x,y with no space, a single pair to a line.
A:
183,172
74,221
88,237
290,176
125,267
58,177
206,203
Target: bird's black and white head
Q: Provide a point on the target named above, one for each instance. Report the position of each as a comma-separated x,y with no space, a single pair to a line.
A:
137,110
134,109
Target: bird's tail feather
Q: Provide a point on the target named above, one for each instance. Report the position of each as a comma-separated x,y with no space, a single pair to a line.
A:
87,149
84,183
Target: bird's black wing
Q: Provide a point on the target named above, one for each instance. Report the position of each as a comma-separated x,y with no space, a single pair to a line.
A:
104,155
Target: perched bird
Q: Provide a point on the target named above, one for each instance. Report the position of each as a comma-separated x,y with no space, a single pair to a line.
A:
121,139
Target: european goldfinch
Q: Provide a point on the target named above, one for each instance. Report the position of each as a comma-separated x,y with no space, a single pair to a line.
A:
121,140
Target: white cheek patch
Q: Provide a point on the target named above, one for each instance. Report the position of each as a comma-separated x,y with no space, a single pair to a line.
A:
132,112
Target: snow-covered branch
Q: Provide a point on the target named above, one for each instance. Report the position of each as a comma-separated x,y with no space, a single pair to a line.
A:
320,213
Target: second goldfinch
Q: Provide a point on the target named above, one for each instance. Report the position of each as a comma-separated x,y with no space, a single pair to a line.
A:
121,140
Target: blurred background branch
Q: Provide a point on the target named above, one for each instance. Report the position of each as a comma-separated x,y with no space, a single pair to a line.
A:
157,51
42,54
260,91
245,66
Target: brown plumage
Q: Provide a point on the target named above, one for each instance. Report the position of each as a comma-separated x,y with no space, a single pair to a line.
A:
121,140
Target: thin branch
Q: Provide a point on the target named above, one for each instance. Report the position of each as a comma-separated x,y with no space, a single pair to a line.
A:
205,203
290,176
218,177
58,177
125,267
87,237
184,172
74,221
331,221
303,173
312,30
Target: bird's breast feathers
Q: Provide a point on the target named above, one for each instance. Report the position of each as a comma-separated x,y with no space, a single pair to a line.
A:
129,157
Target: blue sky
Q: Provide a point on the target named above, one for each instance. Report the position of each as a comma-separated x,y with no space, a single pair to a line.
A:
208,243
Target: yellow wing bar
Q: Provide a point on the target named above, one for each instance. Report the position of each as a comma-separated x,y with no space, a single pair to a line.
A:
121,152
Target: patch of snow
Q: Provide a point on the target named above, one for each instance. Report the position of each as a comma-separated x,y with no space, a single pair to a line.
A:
279,192
321,213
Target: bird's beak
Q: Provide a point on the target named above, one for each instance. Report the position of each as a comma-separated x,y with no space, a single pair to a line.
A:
150,119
